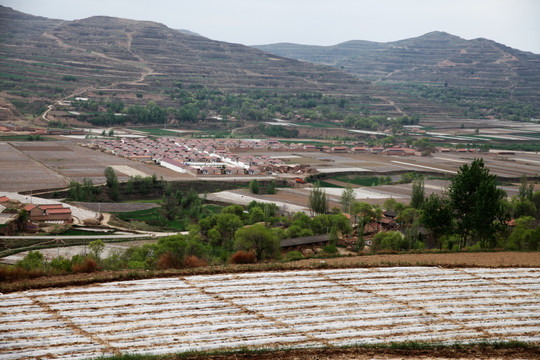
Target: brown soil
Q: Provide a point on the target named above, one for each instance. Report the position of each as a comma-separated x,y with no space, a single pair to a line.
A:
473,352
494,259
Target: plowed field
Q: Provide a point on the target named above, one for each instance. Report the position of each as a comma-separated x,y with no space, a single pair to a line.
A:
299,309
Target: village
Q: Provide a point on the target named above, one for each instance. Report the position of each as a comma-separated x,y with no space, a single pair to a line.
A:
230,156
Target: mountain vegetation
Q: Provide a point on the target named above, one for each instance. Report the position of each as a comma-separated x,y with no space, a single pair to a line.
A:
154,75
479,76
137,61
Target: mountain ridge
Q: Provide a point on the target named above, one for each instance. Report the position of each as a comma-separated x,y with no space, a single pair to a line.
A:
46,59
436,59
51,59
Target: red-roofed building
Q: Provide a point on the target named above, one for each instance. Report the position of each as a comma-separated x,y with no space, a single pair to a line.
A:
51,206
51,212
4,199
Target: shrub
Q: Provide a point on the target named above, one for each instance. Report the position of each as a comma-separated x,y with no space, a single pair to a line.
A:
243,257
8,273
254,186
133,264
259,239
166,261
32,261
293,256
193,261
61,264
113,262
390,241
89,265
330,249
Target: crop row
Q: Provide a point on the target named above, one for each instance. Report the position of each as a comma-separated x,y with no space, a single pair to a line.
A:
273,309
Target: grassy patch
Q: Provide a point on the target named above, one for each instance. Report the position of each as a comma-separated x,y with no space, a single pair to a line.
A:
212,208
158,132
330,185
152,217
357,180
22,138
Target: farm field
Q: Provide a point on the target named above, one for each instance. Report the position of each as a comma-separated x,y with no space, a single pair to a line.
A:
299,309
296,199
28,166
18,172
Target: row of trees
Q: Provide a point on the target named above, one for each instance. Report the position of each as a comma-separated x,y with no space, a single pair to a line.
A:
194,103
87,191
473,207
474,212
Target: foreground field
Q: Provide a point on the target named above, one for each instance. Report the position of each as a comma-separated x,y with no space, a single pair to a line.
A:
307,308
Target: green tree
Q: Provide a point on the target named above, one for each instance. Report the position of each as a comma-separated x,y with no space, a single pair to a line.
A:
333,235
388,240
436,215
347,198
317,200
111,132
407,217
393,205
417,195
170,207
524,236
258,238
82,192
214,237
424,145
32,261
227,224
96,247
536,200
271,188
256,215
477,204
522,207
112,183
525,190
361,213
254,186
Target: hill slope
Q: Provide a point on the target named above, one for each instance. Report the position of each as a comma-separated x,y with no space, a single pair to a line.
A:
50,59
480,70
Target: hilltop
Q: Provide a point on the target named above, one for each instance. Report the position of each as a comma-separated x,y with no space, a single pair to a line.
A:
44,59
437,66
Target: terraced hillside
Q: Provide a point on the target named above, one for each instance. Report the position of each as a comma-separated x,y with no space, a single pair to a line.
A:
477,73
43,59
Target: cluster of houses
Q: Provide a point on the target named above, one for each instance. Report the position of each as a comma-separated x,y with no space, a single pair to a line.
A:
226,156
37,214
203,156
386,222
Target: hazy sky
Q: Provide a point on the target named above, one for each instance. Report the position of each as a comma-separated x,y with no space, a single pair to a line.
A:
515,23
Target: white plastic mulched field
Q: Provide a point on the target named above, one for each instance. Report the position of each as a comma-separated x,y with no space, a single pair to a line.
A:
272,310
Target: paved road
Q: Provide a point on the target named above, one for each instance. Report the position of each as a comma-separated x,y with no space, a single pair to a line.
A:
88,237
